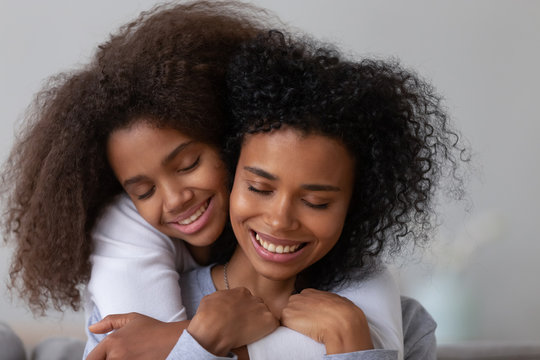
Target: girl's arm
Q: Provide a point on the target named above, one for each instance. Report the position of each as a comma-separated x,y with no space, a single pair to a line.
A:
329,319
135,336
135,267
379,299
418,327
225,320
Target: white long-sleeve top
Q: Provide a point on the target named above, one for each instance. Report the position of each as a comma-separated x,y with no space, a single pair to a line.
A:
136,268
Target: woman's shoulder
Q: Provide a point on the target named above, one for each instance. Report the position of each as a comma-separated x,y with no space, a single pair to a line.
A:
195,285
418,330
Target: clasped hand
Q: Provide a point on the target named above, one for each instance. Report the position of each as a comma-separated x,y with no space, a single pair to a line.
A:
230,319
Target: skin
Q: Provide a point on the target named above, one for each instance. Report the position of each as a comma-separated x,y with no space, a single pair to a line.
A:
296,201
287,200
172,179
170,176
291,200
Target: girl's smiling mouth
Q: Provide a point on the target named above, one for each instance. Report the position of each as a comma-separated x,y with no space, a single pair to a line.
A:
197,214
194,219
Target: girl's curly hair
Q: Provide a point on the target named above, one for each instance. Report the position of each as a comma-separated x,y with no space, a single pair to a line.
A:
390,120
166,67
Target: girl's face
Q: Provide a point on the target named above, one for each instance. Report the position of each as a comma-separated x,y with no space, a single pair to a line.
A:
177,183
289,200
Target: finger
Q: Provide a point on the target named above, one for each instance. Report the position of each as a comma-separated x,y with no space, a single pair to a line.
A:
99,353
110,323
243,290
314,292
289,313
258,299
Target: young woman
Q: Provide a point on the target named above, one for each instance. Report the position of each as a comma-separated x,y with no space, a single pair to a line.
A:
76,216
335,163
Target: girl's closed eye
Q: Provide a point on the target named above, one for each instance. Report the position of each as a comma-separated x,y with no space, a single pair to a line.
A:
191,166
147,194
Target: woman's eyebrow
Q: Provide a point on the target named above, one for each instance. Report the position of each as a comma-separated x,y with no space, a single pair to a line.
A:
310,187
175,152
318,187
260,172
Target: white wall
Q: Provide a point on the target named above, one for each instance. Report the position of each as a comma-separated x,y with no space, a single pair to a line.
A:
482,55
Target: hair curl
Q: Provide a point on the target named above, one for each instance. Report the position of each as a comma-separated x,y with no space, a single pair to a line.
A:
390,120
166,67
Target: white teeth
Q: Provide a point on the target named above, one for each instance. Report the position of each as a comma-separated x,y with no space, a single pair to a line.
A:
195,215
279,249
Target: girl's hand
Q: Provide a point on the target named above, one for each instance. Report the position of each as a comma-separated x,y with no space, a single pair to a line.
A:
228,319
113,322
329,319
136,337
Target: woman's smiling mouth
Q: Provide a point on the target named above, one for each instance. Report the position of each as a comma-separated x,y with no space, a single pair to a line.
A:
276,250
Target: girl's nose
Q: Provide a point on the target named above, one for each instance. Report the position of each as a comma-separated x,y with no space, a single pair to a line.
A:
175,198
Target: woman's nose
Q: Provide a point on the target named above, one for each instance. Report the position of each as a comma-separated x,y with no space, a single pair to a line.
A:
280,215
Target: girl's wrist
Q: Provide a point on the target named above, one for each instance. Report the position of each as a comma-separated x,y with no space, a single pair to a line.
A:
337,344
208,338
349,337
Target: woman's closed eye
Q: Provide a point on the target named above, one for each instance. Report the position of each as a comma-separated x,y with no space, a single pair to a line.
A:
259,191
315,206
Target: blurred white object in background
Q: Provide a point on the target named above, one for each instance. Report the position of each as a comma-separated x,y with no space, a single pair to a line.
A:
437,280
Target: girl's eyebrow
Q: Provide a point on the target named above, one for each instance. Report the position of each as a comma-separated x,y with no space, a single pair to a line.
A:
175,152
310,187
135,179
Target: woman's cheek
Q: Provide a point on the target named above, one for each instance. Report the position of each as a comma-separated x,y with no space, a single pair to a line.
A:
240,204
328,228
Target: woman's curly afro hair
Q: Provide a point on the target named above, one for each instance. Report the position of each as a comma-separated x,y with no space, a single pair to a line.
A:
166,67
391,122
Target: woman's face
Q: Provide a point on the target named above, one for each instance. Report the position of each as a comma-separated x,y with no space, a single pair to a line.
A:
289,200
177,183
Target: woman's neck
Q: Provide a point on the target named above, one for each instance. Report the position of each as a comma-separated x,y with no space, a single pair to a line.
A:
240,272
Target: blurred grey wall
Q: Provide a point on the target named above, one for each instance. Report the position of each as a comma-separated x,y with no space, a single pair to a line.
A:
480,277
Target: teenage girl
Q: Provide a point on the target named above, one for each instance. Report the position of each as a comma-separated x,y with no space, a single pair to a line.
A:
73,216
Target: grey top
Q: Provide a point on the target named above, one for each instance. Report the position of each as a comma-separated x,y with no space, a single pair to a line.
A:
418,326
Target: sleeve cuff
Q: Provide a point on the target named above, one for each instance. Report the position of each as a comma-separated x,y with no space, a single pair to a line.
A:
377,354
188,348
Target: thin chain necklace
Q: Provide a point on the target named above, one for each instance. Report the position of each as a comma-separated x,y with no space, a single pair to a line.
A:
225,278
